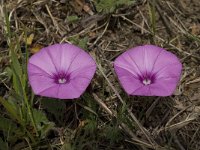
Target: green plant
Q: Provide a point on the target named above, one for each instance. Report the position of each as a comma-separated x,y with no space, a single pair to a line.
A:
109,6
152,16
81,42
20,121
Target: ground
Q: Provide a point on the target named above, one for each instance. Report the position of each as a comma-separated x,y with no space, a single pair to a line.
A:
105,117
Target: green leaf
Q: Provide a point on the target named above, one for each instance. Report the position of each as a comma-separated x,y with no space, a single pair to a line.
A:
15,97
89,105
90,127
8,31
42,123
10,130
17,74
109,6
4,145
16,68
83,43
112,133
12,109
39,117
58,111
67,146
7,125
72,19
152,14
15,63
8,72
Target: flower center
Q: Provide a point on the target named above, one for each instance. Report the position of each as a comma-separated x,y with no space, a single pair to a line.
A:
146,81
62,80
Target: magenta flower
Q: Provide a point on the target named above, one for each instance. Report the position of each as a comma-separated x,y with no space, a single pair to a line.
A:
60,71
148,70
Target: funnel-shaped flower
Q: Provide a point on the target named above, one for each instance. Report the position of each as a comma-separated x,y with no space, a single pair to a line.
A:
148,70
60,71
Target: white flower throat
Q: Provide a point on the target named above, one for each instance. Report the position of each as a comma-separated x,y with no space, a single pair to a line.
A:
62,80
146,81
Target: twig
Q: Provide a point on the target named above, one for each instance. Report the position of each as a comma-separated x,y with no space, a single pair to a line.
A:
145,132
128,131
163,17
40,20
178,142
102,104
159,38
176,115
85,23
99,37
148,112
53,20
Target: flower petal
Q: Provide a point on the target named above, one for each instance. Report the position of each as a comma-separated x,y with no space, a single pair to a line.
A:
164,86
85,72
50,92
126,64
74,89
35,70
82,60
128,81
142,91
167,63
144,57
40,83
68,91
43,61
62,55
171,70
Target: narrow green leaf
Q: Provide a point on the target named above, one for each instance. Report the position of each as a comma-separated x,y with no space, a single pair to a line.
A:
11,109
17,85
152,13
4,145
72,18
7,125
58,111
8,32
42,123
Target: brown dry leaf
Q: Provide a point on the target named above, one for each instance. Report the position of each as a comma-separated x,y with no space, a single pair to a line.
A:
77,8
195,29
179,105
82,123
92,34
88,10
195,97
197,109
35,48
80,5
93,54
13,5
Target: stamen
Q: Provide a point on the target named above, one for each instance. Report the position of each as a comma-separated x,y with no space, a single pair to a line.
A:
61,78
146,81
62,81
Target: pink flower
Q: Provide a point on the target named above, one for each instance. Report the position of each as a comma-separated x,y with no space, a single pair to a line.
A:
148,70
61,71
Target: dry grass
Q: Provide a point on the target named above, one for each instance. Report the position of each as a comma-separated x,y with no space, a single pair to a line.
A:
143,122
